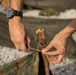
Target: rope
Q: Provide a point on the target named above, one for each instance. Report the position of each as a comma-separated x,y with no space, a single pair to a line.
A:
46,56
35,49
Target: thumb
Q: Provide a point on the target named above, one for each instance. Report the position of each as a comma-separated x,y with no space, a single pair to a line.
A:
47,48
29,40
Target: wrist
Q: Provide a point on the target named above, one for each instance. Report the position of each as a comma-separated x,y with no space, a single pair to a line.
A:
17,8
16,18
67,32
15,21
71,28
13,13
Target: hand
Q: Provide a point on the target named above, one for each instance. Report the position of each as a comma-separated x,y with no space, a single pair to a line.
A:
18,34
59,43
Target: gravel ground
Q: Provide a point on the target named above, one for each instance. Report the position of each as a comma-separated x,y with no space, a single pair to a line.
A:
64,68
8,54
68,67
68,14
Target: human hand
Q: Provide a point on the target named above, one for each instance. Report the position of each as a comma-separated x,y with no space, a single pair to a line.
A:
18,34
59,43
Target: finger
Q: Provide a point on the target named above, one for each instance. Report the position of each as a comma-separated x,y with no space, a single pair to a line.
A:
64,58
28,42
56,52
58,60
47,48
52,58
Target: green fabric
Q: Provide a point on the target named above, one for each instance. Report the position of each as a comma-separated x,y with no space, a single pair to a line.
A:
33,64
27,65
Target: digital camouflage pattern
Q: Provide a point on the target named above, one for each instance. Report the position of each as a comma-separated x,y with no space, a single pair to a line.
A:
33,64
27,65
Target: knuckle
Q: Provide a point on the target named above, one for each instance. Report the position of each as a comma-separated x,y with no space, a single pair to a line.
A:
61,52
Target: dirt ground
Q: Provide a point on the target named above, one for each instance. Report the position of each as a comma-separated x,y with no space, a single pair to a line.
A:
51,26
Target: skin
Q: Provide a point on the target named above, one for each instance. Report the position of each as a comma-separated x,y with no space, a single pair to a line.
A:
22,41
60,42
17,33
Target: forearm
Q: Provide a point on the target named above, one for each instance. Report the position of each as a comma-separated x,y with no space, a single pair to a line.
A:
72,26
67,31
17,4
